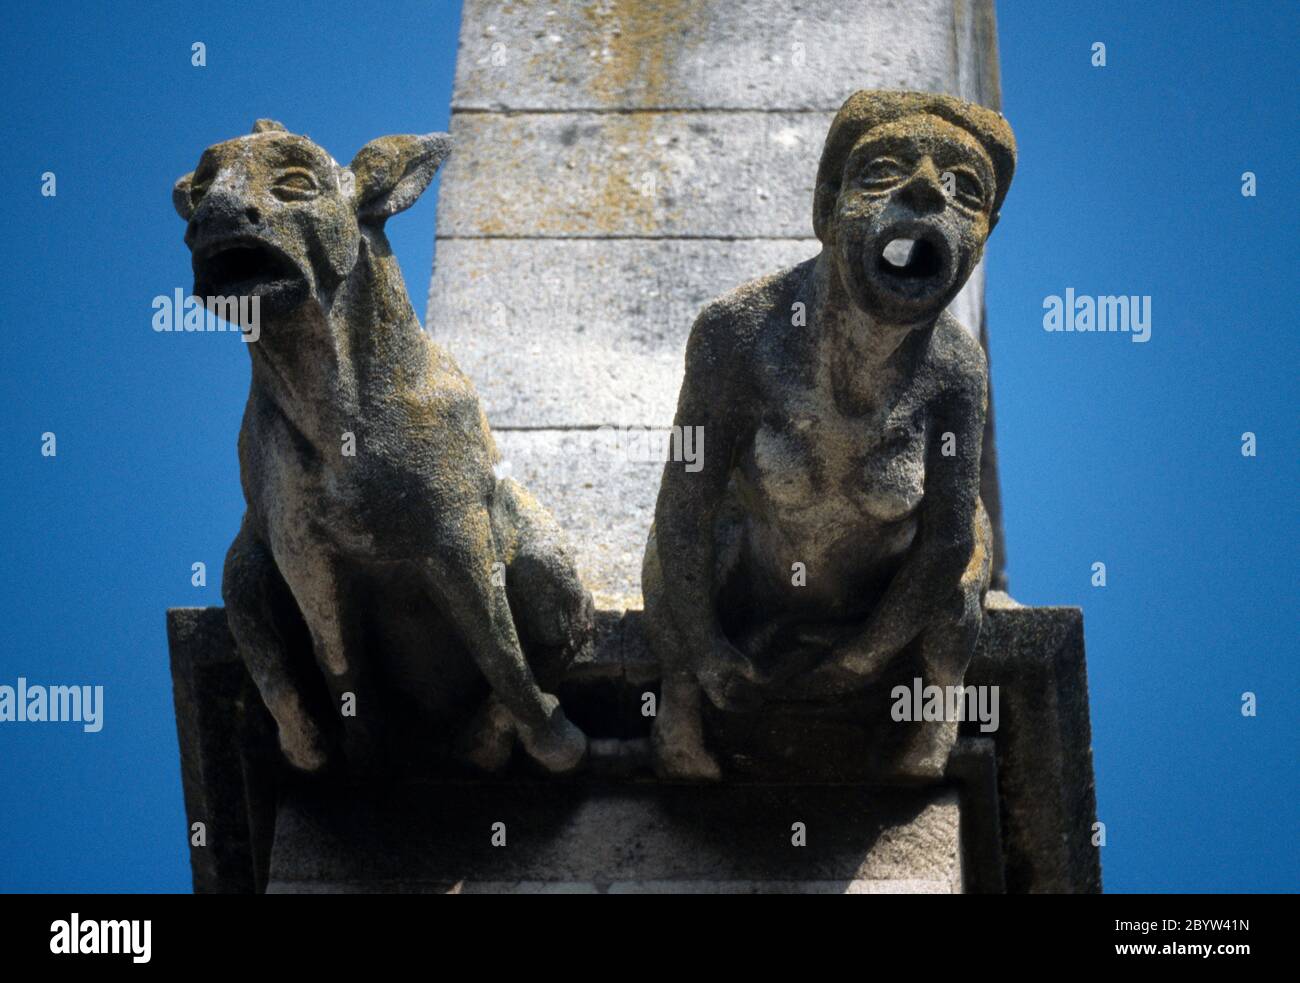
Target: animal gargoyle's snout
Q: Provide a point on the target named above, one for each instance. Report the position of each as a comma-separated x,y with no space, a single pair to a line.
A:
222,213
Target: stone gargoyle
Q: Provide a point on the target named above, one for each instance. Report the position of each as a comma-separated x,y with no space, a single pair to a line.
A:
385,586
834,538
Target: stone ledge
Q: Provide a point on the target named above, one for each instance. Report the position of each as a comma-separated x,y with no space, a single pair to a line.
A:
564,837
1044,748
1043,758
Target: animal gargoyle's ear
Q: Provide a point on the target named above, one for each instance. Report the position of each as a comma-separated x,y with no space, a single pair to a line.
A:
181,196
390,173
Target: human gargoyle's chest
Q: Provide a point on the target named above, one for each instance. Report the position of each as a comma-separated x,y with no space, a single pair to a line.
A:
807,450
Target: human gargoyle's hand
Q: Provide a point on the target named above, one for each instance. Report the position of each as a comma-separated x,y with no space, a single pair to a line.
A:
850,661
862,656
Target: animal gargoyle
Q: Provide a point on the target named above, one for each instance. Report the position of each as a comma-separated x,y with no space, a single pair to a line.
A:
836,528
383,572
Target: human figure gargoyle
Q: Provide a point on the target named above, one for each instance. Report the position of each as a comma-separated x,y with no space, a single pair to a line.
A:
836,525
381,564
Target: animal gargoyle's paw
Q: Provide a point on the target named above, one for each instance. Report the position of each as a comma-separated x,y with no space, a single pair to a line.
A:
731,692
558,747
731,680
728,689
489,739
304,746
677,758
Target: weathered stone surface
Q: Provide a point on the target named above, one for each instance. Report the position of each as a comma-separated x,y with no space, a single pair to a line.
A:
223,739
1043,758
717,175
618,838
740,54
973,768
367,466
596,329
1035,655
593,483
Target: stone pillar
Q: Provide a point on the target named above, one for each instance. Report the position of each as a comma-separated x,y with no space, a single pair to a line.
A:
616,166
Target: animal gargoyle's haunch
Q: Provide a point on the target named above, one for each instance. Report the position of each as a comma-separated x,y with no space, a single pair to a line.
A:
383,573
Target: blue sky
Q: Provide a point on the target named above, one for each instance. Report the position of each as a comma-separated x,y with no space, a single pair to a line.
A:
1128,454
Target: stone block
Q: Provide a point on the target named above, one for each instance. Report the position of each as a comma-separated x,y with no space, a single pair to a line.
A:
579,333
611,347
630,837
601,488
602,498
226,766
1027,794
717,175
1035,655
689,54
618,164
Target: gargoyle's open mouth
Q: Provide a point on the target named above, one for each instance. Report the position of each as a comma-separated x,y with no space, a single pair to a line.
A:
910,259
243,267
911,263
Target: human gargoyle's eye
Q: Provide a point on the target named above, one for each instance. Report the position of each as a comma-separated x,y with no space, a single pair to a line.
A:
968,189
883,172
296,185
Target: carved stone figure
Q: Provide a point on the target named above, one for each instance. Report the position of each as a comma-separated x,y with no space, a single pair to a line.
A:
385,585
834,539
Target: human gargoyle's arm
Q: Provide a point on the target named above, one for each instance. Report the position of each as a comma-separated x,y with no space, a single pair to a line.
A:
928,578
690,492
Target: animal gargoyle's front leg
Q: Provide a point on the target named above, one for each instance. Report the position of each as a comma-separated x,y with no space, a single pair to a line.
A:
461,578
314,574
258,605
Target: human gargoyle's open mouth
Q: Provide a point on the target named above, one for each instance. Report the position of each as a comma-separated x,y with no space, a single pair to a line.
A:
910,259
910,262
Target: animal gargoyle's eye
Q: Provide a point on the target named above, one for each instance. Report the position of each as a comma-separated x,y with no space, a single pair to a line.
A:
198,190
295,185
883,172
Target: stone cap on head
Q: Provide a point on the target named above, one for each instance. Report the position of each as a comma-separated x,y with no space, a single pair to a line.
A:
865,110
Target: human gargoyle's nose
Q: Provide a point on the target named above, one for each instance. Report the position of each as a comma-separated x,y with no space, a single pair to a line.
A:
924,189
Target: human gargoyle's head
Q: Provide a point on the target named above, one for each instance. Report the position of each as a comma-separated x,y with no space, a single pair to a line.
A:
908,189
272,215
